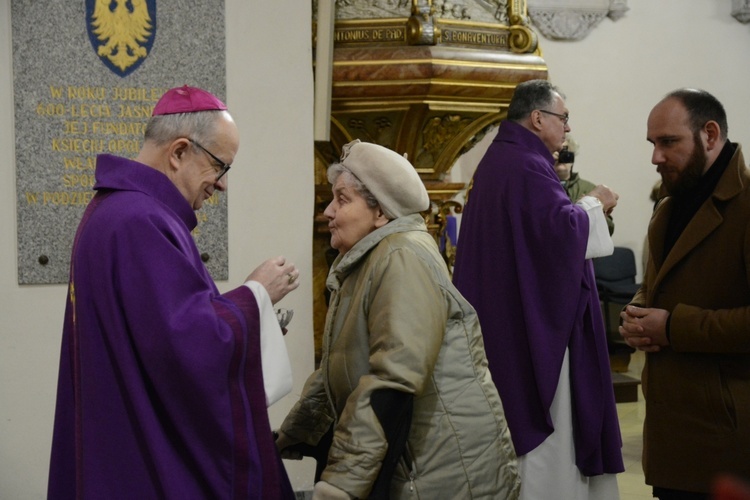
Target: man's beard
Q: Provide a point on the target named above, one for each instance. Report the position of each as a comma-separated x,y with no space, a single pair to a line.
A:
690,177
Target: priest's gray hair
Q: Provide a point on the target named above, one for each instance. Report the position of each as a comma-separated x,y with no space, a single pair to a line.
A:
199,126
335,171
531,95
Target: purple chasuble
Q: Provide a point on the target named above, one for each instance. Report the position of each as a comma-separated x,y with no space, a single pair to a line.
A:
160,392
520,263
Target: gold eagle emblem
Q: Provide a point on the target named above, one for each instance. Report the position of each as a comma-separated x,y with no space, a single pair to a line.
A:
121,30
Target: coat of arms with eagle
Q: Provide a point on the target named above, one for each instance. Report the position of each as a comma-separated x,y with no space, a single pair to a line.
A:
121,32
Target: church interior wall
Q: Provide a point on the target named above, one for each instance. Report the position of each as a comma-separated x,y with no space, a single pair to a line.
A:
611,78
614,76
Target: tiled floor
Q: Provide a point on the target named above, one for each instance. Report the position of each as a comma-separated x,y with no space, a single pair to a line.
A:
631,482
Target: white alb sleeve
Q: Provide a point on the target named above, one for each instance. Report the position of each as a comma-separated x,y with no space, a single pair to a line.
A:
277,370
600,242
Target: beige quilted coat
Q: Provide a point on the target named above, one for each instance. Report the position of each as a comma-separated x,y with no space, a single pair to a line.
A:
396,321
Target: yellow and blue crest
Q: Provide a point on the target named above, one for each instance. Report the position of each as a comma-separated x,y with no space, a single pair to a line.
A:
122,32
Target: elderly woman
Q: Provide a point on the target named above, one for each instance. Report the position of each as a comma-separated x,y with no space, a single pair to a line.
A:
403,384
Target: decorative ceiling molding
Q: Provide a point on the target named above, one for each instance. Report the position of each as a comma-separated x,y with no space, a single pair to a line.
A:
741,10
573,19
488,11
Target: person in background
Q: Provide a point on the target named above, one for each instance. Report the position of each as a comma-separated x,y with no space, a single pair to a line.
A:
523,261
403,405
574,185
160,392
692,313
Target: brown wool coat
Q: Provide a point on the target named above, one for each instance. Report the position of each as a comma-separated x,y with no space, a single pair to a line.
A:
698,389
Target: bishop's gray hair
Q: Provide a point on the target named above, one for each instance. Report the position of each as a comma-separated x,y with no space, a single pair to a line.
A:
199,126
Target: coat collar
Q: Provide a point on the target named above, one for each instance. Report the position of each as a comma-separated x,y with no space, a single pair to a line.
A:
122,174
572,181
345,264
521,136
704,222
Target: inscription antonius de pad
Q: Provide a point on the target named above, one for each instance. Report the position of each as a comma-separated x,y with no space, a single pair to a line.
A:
369,34
448,35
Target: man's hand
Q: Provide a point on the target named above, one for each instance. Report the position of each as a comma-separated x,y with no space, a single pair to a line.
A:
644,328
277,276
606,196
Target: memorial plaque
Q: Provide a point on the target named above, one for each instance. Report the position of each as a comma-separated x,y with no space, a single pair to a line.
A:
86,76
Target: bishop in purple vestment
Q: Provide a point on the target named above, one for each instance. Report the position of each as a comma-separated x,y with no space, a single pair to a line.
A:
161,392
521,262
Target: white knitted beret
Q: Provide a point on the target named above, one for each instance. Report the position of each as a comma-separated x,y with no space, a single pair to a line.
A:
388,176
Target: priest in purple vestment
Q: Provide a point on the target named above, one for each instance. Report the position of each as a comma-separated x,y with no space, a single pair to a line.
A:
523,262
161,385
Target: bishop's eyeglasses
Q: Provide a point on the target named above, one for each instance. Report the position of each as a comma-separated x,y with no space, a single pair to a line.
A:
222,168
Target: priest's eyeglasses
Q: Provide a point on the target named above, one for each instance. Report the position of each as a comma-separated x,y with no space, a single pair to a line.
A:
222,168
564,117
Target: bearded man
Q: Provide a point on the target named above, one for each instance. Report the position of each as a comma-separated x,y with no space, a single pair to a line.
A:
692,313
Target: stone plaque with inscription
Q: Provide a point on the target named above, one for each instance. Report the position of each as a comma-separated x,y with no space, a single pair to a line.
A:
86,76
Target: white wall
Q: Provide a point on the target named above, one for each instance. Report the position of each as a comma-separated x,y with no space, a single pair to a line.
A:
615,76
612,79
270,94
